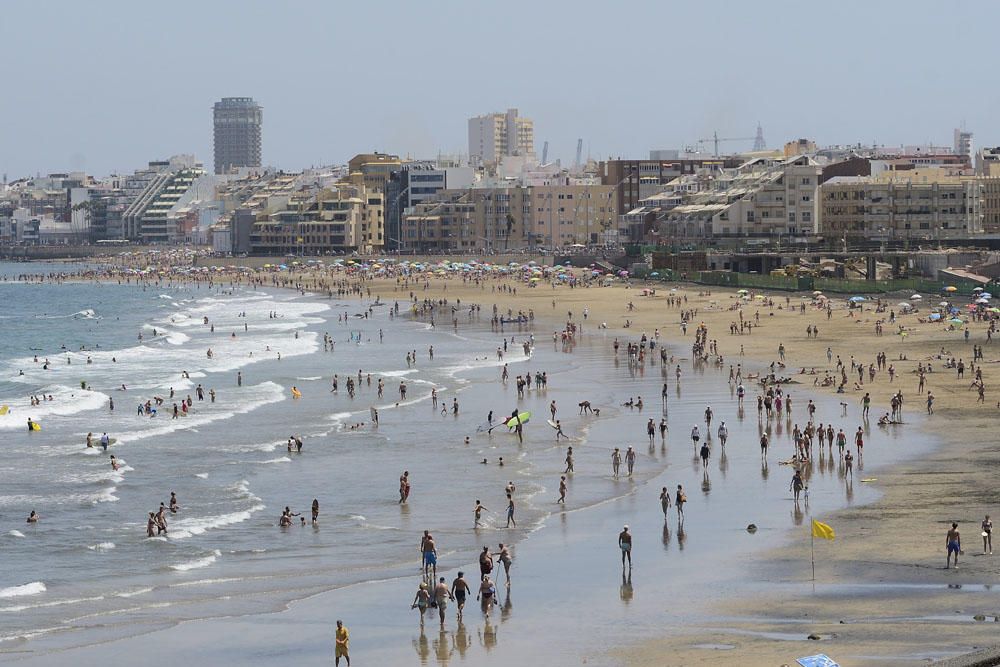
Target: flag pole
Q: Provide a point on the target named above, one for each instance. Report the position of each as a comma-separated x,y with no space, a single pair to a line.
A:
812,550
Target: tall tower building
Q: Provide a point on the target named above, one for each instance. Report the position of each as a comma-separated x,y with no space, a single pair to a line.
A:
237,123
498,134
963,142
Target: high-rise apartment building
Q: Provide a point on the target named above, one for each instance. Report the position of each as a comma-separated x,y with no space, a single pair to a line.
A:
963,143
498,134
237,123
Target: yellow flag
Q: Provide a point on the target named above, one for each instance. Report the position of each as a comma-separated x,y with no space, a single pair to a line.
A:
822,530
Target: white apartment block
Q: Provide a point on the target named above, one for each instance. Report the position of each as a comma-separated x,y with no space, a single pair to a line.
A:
495,135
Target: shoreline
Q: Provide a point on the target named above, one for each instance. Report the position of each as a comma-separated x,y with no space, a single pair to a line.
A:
758,646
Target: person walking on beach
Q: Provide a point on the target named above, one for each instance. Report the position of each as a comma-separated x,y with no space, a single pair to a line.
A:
441,596
510,512
679,499
705,453
930,403
695,436
421,601
625,544
315,511
562,490
430,554
342,639
987,536
630,460
763,445
651,430
859,441
664,502
459,590
569,460
616,461
796,484
723,433
953,541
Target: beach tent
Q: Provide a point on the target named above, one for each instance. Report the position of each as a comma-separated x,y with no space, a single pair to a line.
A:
934,317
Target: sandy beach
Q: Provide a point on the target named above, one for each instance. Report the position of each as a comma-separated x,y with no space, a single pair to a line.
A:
881,593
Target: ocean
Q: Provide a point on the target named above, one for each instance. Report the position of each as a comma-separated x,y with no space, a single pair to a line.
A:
87,573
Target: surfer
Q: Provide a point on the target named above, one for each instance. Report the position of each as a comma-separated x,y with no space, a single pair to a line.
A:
315,511
33,517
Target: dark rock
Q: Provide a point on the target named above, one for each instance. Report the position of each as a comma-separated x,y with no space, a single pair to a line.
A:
814,637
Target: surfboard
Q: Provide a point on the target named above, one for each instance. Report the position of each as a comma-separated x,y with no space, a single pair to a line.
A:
35,426
523,417
870,479
552,424
4,409
296,393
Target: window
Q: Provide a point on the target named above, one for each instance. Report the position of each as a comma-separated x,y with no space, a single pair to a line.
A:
806,198
806,181
806,216
791,217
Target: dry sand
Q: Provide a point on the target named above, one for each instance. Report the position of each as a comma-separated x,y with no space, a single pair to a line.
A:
905,611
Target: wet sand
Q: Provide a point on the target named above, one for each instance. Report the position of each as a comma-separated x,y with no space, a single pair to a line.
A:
886,546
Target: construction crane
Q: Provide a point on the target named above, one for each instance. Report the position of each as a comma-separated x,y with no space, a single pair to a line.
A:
716,140
579,152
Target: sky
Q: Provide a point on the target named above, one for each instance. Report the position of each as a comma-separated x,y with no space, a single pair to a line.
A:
107,86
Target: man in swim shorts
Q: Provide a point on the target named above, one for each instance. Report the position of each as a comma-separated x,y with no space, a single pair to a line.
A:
625,543
954,543
459,590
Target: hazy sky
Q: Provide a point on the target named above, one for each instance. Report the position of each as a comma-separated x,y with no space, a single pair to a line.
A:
108,86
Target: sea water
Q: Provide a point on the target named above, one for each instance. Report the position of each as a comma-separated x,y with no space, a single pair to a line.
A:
87,571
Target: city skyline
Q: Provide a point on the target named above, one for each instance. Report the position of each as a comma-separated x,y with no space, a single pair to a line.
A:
579,71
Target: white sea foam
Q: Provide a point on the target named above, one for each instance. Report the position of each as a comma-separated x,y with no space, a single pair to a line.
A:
103,546
198,563
185,528
66,401
132,594
201,475
16,533
310,378
34,588
282,459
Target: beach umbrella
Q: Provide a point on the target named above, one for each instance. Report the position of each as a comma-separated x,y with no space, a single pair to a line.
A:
950,288
916,297
976,289
934,317
856,299
742,291
655,274
986,295
904,304
993,310
982,300
956,320
817,293
943,303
